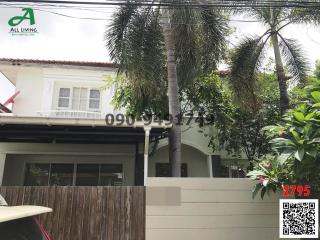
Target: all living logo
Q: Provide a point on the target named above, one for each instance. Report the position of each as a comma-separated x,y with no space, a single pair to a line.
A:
23,24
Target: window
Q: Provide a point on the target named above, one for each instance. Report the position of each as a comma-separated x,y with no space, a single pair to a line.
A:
111,175
64,97
38,174
79,99
94,100
163,170
87,175
61,174
82,99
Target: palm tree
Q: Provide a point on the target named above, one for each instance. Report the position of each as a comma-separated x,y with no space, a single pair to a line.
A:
248,56
152,45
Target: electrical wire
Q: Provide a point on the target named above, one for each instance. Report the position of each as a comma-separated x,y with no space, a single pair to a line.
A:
194,3
49,5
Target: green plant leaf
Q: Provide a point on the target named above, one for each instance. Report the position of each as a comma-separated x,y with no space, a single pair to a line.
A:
284,141
256,189
299,116
299,154
310,115
263,192
295,135
284,157
316,96
256,173
315,140
312,152
317,105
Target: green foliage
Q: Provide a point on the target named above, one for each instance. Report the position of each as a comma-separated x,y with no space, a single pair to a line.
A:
136,43
237,129
317,70
246,61
295,144
135,99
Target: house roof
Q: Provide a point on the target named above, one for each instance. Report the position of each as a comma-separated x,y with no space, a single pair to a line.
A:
16,61
74,130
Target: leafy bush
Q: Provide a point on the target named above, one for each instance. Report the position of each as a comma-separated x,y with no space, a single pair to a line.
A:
295,144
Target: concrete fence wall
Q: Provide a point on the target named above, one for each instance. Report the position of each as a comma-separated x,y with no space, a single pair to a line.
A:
208,208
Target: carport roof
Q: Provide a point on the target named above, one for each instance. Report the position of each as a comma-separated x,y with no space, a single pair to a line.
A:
86,131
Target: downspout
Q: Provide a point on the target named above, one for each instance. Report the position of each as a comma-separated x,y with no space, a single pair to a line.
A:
146,153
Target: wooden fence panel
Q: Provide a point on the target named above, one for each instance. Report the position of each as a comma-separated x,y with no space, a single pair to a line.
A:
86,213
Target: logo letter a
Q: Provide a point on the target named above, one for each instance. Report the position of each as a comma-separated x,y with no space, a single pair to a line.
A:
18,19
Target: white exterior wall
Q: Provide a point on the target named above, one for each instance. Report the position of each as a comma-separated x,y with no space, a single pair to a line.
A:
77,78
209,209
39,87
30,84
195,152
196,161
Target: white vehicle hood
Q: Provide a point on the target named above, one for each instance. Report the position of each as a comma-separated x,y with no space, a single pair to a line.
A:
16,212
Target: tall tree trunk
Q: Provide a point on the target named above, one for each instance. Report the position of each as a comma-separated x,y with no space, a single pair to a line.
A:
174,103
284,99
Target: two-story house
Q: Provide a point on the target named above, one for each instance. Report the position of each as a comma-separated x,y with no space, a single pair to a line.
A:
56,133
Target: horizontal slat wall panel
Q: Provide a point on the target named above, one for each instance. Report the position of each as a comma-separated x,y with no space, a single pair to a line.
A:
221,196
209,209
199,222
214,209
202,183
211,234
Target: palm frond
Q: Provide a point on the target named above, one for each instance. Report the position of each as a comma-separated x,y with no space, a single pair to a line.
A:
262,15
296,63
135,42
307,15
116,33
200,41
186,44
245,62
213,38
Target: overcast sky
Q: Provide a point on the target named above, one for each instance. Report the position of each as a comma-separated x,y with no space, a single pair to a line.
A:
65,38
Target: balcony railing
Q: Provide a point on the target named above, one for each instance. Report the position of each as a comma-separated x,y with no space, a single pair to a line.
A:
71,114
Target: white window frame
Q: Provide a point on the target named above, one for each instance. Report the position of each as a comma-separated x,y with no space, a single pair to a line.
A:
88,104
75,166
70,98
87,100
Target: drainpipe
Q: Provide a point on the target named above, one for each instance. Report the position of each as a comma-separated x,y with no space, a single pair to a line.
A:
146,152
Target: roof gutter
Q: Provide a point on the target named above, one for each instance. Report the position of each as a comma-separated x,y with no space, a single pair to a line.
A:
12,119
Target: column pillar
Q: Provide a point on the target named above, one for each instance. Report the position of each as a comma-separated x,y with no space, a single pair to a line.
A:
209,164
146,153
2,163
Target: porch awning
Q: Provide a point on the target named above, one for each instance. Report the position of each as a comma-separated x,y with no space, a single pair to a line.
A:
56,130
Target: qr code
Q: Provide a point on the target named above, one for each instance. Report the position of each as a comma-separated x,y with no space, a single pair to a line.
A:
299,218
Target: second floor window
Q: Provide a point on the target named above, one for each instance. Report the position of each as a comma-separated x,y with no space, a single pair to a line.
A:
81,99
64,98
94,99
